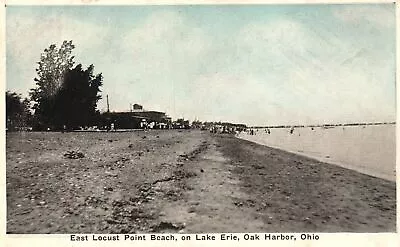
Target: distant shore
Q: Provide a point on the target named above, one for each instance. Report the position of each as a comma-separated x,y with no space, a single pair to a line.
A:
322,125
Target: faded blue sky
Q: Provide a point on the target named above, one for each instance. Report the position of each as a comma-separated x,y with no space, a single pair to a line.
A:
258,64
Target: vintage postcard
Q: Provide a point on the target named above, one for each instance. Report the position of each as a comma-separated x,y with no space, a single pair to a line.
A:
251,123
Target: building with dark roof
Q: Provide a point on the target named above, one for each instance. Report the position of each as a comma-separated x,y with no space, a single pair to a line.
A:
138,118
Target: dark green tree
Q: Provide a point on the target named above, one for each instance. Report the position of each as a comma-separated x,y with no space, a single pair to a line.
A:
76,101
18,114
64,96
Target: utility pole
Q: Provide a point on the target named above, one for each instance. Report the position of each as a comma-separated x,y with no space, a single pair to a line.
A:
108,105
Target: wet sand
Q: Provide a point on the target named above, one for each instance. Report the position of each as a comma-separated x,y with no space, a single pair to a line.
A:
183,181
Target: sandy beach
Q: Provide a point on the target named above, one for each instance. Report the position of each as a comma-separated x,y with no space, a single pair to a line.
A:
183,181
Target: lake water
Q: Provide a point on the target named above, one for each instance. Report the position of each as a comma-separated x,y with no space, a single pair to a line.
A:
367,149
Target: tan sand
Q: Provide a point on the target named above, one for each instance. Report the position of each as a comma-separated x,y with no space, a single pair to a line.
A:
183,181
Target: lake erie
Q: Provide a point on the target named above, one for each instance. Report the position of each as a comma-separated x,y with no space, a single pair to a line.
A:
369,149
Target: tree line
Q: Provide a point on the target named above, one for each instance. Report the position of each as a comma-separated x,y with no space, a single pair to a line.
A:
64,96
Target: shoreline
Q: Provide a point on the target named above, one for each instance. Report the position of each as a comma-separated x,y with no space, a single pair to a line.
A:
376,173
377,159
304,194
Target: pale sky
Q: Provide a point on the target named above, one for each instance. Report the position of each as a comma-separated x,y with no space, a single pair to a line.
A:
258,65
